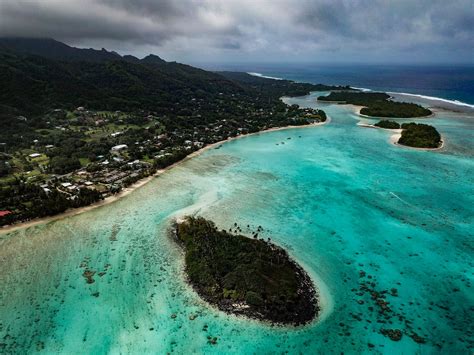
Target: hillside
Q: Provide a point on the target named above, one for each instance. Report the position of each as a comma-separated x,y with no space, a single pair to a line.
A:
52,49
41,74
63,117
32,84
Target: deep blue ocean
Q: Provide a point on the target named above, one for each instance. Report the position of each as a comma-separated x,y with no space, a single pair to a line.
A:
446,82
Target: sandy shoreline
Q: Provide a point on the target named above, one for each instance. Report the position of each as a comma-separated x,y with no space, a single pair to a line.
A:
126,191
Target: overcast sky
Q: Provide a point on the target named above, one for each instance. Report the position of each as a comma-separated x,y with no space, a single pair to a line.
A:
255,30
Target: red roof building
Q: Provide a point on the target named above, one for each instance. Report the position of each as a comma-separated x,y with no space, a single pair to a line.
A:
5,213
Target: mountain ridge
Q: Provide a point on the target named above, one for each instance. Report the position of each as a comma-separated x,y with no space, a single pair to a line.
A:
40,74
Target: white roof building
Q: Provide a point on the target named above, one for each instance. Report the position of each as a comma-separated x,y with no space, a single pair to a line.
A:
119,147
34,155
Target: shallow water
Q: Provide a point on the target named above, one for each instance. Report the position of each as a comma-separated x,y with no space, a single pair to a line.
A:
339,197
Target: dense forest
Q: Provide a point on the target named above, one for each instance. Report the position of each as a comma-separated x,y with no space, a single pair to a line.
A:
419,135
243,275
387,124
377,104
415,135
38,75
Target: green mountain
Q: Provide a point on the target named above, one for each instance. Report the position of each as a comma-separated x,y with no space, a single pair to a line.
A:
40,74
52,49
33,84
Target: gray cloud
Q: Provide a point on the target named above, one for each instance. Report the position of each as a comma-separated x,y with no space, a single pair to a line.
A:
254,30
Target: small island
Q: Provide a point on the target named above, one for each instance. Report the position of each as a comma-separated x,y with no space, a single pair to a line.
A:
387,124
376,104
415,135
245,276
420,135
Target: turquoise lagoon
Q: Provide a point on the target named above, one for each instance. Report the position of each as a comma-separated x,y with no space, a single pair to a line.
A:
340,198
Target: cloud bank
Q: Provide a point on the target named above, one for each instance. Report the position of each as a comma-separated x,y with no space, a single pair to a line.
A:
255,30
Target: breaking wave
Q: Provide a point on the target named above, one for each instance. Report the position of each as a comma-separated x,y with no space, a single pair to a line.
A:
264,76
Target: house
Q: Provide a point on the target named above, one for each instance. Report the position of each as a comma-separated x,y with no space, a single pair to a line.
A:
34,155
115,134
119,148
66,184
114,176
5,213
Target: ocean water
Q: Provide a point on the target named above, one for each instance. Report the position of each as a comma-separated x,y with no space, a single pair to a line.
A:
353,209
451,82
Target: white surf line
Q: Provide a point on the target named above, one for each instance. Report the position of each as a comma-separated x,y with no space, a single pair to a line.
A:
433,98
361,89
426,97
264,76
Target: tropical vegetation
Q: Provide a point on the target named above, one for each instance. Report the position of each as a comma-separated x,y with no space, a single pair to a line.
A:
420,135
244,275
